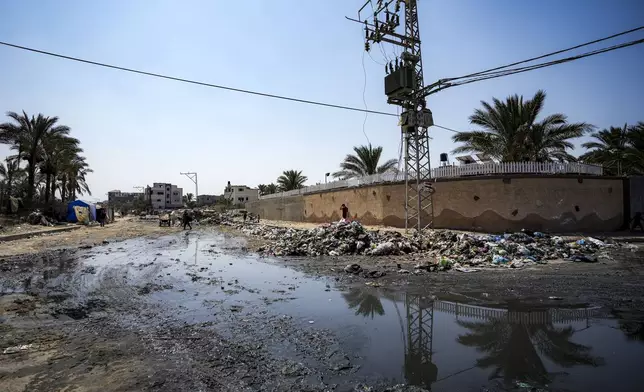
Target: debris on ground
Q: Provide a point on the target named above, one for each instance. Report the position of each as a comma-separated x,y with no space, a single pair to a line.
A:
37,218
443,249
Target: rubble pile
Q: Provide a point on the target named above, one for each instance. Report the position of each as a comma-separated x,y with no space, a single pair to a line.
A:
512,250
37,218
443,248
334,240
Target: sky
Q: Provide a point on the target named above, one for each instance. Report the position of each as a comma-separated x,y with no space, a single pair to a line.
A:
137,130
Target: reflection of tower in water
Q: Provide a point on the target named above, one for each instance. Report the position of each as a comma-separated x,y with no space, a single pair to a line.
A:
419,368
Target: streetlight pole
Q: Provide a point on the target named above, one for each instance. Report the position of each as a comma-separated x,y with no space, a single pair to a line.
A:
193,176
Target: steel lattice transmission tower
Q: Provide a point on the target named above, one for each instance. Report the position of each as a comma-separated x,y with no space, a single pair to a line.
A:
419,368
404,87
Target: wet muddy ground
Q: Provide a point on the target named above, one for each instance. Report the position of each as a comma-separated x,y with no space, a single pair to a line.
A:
198,312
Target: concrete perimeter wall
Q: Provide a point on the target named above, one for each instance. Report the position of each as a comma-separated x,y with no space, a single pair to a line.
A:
558,204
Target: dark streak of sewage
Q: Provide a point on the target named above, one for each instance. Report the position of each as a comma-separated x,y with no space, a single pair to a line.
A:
437,342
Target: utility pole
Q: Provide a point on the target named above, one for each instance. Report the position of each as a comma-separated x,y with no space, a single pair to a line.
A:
193,177
404,87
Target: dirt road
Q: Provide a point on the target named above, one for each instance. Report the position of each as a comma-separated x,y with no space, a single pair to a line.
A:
123,228
195,311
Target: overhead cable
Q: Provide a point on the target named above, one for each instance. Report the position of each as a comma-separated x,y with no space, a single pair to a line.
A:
177,79
551,54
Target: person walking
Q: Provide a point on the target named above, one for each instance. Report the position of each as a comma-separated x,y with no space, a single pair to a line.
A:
101,217
345,212
186,218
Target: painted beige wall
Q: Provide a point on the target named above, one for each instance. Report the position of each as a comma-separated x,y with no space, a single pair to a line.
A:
489,204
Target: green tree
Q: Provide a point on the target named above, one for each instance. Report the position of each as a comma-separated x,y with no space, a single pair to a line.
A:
366,302
290,180
365,162
511,133
25,135
262,189
9,174
609,149
271,188
57,150
73,178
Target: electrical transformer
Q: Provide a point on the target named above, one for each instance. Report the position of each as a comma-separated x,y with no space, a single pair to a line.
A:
400,83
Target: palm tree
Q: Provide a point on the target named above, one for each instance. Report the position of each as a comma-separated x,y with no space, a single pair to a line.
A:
512,349
25,134
290,180
56,151
73,178
364,163
610,149
262,189
271,188
510,131
9,174
365,301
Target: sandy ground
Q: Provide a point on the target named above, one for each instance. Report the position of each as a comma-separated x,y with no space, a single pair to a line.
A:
123,228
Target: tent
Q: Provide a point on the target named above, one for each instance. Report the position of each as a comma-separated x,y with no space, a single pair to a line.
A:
81,211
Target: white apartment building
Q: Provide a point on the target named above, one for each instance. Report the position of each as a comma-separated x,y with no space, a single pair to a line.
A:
165,196
240,194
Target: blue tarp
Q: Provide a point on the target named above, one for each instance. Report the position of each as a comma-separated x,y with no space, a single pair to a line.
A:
80,205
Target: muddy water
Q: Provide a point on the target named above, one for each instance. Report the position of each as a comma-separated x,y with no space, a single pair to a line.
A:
436,341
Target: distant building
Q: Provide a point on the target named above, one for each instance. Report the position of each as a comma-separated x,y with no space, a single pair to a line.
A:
240,194
117,197
208,200
164,196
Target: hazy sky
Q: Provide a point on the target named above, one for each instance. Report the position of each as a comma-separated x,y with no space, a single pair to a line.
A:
137,130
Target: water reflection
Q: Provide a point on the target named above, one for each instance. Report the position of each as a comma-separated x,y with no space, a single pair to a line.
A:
513,348
515,344
365,301
631,325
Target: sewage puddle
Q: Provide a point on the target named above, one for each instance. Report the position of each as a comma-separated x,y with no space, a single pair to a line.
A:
438,342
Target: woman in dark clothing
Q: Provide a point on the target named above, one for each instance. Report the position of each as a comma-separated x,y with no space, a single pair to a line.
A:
345,212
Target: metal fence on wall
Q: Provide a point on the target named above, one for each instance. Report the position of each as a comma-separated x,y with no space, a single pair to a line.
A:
474,169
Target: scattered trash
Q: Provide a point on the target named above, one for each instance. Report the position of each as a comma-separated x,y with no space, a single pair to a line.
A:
555,298
443,249
465,269
17,349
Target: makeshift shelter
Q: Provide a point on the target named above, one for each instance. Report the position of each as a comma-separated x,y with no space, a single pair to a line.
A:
81,211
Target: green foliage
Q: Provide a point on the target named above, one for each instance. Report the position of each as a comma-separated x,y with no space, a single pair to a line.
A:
267,189
511,133
291,180
620,150
52,157
364,163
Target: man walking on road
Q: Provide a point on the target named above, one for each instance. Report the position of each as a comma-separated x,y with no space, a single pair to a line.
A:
186,218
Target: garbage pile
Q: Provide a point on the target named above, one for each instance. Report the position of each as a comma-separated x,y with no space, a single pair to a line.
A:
333,240
37,218
443,248
514,250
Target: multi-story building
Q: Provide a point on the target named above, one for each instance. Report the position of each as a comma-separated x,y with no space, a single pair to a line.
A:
116,197
163,196
240,194
208,200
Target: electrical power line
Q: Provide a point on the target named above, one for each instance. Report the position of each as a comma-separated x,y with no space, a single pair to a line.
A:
445,128
513,71
177,79
551,54
479,76
364,100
